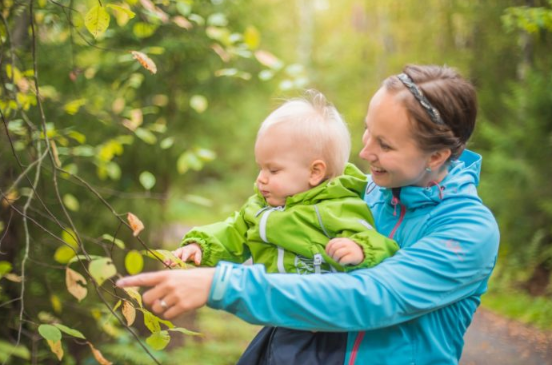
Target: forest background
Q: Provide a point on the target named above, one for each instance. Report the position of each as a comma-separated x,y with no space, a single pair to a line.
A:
151,108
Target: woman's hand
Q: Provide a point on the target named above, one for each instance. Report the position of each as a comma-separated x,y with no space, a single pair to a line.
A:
174,292
345,251
188,253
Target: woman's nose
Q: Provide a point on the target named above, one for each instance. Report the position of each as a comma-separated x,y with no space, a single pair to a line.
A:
367,152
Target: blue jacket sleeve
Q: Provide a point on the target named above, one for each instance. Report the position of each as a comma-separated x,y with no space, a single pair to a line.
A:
448,264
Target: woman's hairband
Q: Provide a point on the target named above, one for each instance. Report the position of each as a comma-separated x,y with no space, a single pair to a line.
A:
415,90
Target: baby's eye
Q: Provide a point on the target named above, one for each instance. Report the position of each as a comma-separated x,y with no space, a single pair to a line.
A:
385,146
273,171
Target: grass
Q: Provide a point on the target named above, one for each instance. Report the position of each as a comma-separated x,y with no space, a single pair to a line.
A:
536,311
226,337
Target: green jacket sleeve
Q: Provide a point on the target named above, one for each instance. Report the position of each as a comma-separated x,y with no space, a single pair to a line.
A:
351,218
222,241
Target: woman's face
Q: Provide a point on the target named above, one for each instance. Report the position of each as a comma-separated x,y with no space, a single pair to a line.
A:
389,146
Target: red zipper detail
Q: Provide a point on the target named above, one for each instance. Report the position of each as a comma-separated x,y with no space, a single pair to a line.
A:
358,340
360,335
401,217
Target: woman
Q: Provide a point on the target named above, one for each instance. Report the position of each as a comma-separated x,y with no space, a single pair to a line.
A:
415,307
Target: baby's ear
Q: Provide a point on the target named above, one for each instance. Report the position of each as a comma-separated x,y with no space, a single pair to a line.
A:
317,173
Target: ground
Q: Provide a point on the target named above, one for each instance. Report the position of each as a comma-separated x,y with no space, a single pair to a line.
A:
492,339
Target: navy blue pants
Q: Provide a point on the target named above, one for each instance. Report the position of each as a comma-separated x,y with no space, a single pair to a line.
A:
282,346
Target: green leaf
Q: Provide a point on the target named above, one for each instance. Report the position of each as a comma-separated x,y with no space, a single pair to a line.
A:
187,161
7,350
71,202
199,103
113,170
102,269
151,321
147,179
184,8
159,340
185,331
128,12
69,237
144,30
5,267
167,143
217,20
49,332
146,136
64,254
114,240
97,20
134,262
205,154
70,331
73,107
77,136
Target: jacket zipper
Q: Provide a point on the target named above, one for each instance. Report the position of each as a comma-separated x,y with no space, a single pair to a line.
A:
395,201
262,233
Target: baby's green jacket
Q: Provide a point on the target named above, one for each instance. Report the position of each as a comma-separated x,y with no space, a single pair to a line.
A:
292,238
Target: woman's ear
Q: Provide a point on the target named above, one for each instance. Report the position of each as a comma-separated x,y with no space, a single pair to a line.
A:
439,159
317,173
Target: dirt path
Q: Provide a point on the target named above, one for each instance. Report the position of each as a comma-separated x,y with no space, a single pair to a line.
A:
492,339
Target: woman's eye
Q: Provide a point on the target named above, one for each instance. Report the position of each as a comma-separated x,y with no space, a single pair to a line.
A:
384,146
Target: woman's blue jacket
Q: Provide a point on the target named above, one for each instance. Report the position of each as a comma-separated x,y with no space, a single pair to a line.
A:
413,308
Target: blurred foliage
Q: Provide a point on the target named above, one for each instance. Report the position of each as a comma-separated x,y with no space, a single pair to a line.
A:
154,106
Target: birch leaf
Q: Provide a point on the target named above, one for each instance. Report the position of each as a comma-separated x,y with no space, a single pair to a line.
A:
135,224
145,61
98,355
134,262
102,269
129,312
76,284
97,20
69,331
56,348
159,340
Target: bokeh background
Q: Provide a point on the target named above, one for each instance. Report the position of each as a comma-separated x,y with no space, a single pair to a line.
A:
102,136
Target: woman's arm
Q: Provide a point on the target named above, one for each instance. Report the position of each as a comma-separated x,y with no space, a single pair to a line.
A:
448,265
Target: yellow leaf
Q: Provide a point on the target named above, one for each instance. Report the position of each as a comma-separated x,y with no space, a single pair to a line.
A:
76,284
252,37
129,312
134,294
56,303
97,20
145,61
98,355
63,254
135,224
134,263
56,348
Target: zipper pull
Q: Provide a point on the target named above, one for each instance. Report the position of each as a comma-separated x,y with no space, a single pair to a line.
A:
317,263
394,203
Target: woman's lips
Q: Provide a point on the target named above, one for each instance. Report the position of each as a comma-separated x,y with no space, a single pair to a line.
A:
377,170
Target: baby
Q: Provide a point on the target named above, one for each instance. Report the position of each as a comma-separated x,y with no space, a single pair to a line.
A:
307,214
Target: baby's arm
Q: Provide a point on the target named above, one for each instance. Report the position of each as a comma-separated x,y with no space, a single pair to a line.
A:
189,253
354,242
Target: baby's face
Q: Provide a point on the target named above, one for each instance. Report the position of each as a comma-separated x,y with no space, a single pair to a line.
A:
284,166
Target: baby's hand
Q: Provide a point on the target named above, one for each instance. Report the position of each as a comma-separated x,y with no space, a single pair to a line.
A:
345,251
188,253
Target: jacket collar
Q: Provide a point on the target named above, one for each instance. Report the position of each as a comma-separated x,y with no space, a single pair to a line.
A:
462,180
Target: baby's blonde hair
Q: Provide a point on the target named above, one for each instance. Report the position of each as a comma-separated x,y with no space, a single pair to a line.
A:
317,125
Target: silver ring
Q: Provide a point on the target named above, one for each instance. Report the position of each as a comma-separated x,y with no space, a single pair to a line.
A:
164,304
